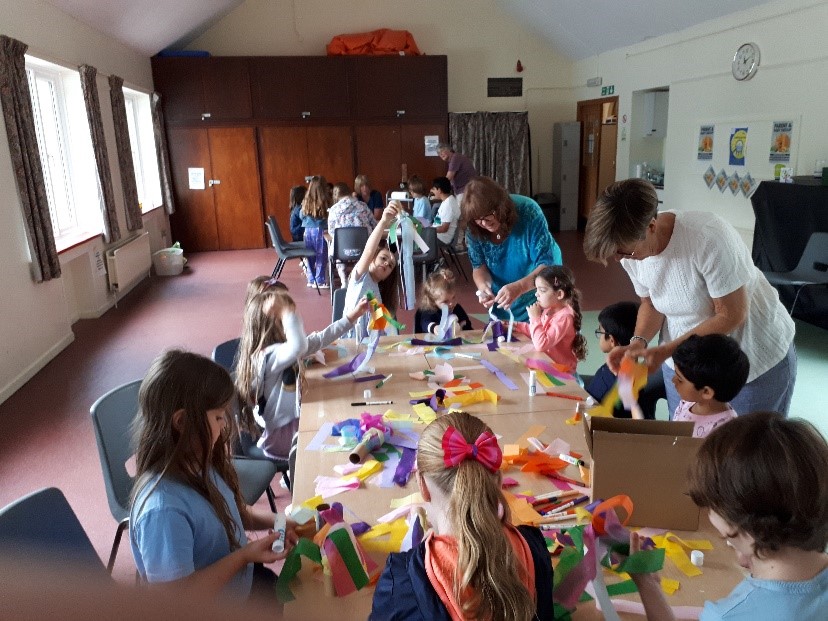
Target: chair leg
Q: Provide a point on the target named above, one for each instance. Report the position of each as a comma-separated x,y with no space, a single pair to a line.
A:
280,267
271,498
116,544
276,269
286,479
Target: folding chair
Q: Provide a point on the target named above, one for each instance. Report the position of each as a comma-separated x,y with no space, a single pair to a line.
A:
338,304
286,252
348,246
811,270
43,524
225,354
112,417
449,250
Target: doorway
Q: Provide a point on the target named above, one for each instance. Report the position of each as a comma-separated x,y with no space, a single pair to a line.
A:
599,141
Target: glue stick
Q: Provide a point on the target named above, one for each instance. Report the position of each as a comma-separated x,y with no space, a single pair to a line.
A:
280,528
533,385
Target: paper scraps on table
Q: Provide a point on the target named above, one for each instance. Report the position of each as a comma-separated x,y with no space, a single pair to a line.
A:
359,362
551,368
677,548
499,374
350,567
292,565
386,537
478,395
328,487
424,412
318,440
521,510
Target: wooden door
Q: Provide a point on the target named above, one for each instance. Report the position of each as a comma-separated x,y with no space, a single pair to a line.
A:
378,155
237,194
300,88
194,221
590,116
331,153
606,156
412,149
284,164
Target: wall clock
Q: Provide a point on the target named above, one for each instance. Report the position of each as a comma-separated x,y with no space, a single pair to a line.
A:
745,61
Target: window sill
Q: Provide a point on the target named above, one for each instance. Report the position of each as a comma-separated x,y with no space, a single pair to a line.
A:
68,242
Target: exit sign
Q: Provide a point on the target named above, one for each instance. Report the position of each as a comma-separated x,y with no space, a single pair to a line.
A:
607,90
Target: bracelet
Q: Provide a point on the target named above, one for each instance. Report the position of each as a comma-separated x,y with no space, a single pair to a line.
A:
641,338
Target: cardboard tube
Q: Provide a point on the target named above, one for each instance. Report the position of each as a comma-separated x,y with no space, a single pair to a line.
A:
371,440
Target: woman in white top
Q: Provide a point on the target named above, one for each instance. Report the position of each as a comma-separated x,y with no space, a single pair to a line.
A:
694,276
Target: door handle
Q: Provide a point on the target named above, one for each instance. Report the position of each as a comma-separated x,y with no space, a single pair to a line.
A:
215,182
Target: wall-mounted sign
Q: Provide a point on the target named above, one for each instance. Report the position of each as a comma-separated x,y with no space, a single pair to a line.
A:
738,146
780,147
607,90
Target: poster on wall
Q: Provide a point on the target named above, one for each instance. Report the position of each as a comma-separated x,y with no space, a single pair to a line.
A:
780,147
738,146
705,151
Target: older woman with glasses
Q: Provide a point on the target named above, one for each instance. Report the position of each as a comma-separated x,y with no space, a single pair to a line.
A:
694,275
509,244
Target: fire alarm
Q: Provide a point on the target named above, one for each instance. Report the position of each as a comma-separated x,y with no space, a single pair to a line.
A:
519,66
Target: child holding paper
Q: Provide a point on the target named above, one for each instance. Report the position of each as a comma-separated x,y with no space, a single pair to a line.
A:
472,564
710,370
762,479
439,290
555,319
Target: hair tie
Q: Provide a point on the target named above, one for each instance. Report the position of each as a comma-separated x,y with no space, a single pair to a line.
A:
484,450
273,282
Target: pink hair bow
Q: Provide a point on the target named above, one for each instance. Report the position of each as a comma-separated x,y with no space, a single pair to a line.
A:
485,449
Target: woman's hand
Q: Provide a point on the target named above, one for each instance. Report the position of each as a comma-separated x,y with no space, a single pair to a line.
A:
654,357
362,307
534,310
486,297
508,294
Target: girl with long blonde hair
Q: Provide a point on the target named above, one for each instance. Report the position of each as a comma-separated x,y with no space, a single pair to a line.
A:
314,212
273,342
187,519
472,564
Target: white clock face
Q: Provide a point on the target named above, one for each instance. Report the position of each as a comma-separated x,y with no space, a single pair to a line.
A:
745,61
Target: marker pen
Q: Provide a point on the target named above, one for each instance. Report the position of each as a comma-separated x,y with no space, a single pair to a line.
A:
372,403
382,382
571,503
571,460
533,386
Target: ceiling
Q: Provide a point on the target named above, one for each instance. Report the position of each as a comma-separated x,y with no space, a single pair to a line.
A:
576,29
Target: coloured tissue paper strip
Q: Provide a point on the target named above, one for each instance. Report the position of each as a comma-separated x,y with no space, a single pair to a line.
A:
479,395
499,374
293,563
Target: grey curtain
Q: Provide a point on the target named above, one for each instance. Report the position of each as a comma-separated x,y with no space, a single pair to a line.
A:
134,221
159,130
497,143
112,232
25,158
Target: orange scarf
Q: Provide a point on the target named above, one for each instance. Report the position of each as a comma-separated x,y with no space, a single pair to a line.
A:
441,563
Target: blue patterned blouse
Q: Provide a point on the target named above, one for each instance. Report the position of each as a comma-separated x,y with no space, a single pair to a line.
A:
528,246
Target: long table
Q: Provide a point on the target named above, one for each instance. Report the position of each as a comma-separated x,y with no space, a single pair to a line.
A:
329,401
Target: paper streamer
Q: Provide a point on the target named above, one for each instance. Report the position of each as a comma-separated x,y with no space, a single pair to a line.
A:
478,395
404,467
293,563
499,374
348,565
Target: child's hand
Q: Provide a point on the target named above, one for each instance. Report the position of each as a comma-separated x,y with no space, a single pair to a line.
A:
260,550
534,310
390,212
635,547
362,307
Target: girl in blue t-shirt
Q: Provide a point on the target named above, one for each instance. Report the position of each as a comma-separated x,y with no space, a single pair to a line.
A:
315,220
187,519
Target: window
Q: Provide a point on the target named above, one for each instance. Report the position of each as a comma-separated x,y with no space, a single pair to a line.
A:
66,155
142,145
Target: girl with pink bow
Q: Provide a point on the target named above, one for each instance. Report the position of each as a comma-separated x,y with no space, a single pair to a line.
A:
472,563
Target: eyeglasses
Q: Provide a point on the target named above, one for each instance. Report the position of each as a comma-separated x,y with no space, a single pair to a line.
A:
621,253
598,333
490,219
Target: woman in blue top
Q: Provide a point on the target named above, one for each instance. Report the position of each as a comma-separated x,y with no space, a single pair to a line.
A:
509,243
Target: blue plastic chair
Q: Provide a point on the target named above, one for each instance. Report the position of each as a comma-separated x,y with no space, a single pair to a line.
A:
112,417
43,524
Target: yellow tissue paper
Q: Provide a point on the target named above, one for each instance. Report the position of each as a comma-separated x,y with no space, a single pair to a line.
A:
411,499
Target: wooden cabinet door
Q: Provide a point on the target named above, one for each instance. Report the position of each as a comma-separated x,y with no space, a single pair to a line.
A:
226,83
284,164
331,153
412,151
194,221
398,87
179,82
378,155
300,88
237,194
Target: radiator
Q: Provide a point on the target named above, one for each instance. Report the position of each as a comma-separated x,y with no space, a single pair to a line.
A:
128,262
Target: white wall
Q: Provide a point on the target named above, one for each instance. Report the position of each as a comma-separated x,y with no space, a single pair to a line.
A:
37,318
479,40
791,83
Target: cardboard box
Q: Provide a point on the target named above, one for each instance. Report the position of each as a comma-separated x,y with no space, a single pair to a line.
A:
648,461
